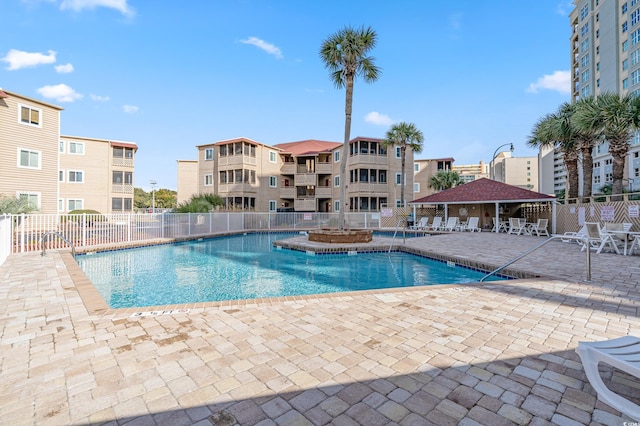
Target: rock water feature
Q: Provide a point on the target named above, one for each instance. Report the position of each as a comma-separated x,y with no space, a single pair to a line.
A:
341,237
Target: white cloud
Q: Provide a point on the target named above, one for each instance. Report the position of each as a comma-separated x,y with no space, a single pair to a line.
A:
18,59
560,81
60,92
378,119
98,98
79,5
130,109
263,45
64,69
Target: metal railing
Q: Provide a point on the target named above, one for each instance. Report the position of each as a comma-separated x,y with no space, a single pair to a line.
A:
545,242
43,243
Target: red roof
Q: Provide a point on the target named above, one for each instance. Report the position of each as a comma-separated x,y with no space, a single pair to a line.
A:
307,147
483,191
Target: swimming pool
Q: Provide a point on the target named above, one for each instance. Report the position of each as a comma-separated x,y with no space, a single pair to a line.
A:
248,267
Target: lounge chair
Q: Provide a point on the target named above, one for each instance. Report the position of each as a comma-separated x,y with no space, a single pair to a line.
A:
634,245
516,226
582,232
452,224
436,224
471,225
622,353
539,228
598,240
421,225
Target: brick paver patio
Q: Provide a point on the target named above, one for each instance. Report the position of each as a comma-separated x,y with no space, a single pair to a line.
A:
497,353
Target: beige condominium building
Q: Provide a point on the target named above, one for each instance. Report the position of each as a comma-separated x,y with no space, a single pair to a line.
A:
29,132
96,174
604,51
471,172
516,171
58,174
301,176
423,170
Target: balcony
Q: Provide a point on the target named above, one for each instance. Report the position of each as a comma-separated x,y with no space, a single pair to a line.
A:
235,160
306,179
326,168
324,191
240,187
304,204
355,160
369,188
288,168
122,188
122,162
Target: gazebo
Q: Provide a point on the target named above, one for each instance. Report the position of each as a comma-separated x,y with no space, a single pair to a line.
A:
484,198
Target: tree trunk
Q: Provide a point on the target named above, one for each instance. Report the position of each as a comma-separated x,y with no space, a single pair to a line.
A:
587,172
348,107
572,178
403,150
618,151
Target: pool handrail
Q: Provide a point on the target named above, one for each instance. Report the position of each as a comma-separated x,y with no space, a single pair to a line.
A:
57,234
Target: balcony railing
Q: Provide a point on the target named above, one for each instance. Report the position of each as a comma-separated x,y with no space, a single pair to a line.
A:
288,192
304,204
122,188
235,160
122,162
305,179
237,187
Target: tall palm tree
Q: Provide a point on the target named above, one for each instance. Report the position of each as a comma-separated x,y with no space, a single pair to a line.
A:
616,116
345,55
587,138
555,130
445,179
403,135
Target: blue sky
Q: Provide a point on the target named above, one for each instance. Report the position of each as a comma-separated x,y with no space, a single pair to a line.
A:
170,75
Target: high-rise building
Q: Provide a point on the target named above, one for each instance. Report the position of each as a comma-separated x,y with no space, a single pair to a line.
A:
605,57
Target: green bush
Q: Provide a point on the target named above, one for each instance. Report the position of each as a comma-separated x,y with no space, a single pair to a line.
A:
76,216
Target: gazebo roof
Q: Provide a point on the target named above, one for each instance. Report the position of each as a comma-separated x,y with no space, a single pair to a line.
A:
484,191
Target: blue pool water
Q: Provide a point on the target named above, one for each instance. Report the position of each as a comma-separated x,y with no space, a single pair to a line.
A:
248,267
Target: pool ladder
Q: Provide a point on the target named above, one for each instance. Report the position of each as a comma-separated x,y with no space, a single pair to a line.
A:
553,237
404,236
59,235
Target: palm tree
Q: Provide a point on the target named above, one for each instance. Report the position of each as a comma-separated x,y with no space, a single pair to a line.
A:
617,117
445,179
587,138
556,131
345,55
404,135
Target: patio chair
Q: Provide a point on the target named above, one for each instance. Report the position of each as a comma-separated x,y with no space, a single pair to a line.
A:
436,224
539,228
635,244
471,225
598,240
421,225
582,232
452,224
516,226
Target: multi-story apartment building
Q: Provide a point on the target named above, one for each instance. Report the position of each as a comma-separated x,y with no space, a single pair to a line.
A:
96,174
29,132
471,172
58,174
299,176
516,171
605,57
423,170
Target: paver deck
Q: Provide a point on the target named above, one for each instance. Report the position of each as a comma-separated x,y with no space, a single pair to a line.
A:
496,353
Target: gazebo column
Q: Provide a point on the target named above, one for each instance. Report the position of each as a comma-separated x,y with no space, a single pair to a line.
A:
497,218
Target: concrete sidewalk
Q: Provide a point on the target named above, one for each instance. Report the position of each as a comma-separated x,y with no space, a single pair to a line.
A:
496,353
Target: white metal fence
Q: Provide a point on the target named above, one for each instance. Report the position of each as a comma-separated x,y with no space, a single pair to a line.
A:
23,233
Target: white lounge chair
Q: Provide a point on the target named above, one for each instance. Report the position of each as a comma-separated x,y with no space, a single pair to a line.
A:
436,224
582,232
539,228
516,226
452,224
622,353
634,244
598,240
422,224
471,225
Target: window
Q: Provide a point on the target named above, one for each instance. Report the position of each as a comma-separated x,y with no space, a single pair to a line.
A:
74,205
272,157
75,176
60,175
336,206
596,179
398,178
119,177
398,152
222,151
29,115
336,156
584,12
584,45
60,204
273,181
31,198
76,148
635,56
625,45
636,172
28,158
635,37
121,204
272,205
416,187
336,181
61,147
416,167
586,91
208,180
608,177
584,30
625,27
585,75
635,77
223,177
208,154
625,64
635,17
625,7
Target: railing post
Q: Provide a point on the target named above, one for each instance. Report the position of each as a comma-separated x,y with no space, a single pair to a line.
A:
189,227
161,226
84,229
22,233
128,227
